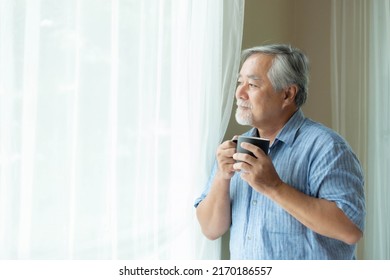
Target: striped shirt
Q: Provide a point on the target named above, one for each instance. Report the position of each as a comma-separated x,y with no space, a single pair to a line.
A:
318,162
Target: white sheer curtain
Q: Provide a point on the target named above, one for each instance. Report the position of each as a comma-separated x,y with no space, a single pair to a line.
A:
360,106
110,112
378,221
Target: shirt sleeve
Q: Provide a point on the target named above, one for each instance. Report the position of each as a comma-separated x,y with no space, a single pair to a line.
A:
337,176
208,185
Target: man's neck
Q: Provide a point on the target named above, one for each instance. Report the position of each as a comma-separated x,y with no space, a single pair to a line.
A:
270,132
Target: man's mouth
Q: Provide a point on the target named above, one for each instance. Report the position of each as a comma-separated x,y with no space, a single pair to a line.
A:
243,105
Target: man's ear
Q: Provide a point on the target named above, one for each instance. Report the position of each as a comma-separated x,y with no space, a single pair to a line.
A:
289,94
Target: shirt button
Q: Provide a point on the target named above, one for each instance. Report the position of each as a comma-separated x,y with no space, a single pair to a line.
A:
249,238
254,202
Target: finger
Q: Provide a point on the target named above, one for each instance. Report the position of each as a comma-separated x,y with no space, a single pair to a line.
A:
229,144
226,166
244,158
242,166
228,161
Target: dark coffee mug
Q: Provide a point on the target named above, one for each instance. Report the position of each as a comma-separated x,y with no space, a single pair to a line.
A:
259,142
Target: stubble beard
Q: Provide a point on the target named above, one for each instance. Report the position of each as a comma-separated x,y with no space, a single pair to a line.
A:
244,113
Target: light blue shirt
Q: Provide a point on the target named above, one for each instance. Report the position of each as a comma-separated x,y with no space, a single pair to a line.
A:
316,161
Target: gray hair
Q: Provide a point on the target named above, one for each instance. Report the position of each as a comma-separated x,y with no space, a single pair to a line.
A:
289,66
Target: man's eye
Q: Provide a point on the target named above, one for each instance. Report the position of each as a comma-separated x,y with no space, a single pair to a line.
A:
253,85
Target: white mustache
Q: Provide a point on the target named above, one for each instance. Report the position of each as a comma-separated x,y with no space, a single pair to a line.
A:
242,103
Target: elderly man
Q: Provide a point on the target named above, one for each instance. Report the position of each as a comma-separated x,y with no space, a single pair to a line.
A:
302,200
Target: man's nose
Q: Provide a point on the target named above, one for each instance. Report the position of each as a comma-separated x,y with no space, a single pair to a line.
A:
241,91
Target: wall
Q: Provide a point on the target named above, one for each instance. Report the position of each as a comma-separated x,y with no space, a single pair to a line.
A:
301,23
304,24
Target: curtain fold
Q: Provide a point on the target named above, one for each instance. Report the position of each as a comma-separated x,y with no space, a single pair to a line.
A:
349,64
377,241
360,74
110,114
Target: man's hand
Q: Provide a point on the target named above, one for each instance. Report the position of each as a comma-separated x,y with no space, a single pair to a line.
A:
258,171
225,159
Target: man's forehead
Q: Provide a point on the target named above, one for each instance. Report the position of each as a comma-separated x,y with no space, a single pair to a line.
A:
249,76
253,77
257,65
260,59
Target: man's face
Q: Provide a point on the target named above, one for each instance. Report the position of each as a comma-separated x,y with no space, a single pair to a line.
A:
258,104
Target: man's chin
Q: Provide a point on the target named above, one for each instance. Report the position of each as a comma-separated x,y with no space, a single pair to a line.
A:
243,121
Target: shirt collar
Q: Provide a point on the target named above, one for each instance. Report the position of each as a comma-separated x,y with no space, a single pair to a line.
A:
288,132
